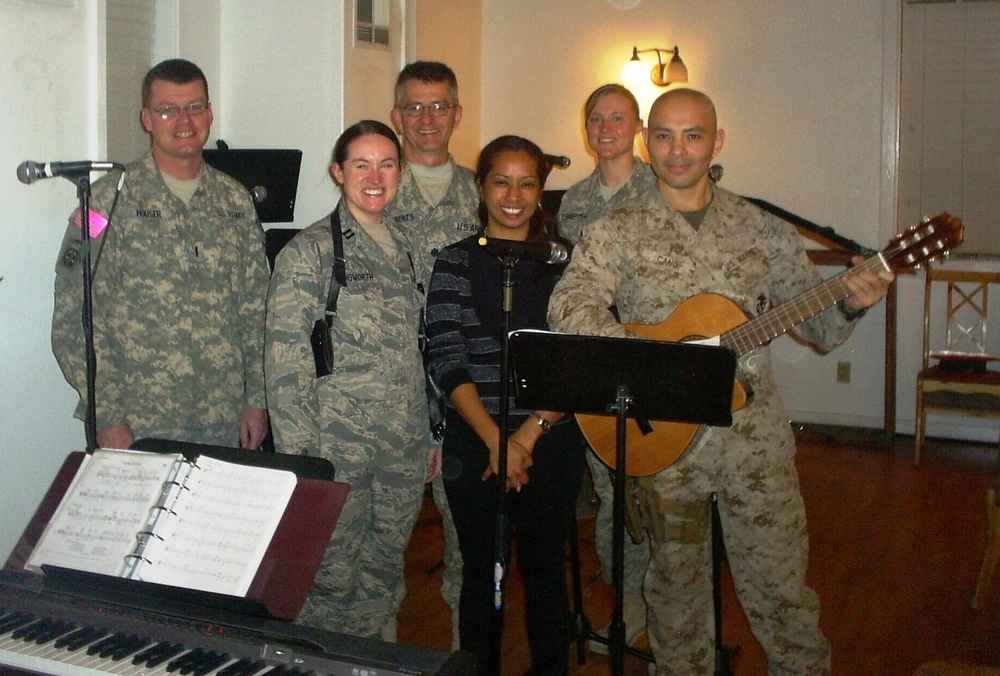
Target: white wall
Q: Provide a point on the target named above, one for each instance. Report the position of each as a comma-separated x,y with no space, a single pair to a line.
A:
798,92
800,95
49,77
282,87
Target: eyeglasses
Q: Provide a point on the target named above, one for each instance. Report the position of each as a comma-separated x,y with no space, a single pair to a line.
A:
173,112
436,109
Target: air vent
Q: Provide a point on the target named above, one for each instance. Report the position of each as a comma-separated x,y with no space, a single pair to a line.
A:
371,25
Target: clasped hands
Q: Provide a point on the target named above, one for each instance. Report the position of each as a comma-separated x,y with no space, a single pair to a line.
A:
519,449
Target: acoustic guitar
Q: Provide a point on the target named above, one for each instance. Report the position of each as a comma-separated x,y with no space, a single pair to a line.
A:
715,319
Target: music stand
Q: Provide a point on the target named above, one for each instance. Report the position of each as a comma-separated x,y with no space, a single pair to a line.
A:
642,379
271,176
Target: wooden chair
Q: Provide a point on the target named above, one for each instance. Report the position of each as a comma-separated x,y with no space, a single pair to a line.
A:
955,377
991,553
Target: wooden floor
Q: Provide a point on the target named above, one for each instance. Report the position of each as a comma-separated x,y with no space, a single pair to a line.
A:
894,551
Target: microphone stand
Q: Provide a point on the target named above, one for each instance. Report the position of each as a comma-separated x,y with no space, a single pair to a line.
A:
82,180
502,530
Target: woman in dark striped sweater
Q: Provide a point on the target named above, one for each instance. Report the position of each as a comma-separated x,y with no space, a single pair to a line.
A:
545,457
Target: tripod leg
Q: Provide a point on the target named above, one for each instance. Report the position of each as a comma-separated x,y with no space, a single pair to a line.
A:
722,654
580,625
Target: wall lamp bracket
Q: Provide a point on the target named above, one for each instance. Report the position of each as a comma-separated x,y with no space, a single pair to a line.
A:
662,74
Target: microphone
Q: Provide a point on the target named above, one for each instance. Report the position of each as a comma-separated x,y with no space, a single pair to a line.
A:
29,172
258,193
543,252
558,160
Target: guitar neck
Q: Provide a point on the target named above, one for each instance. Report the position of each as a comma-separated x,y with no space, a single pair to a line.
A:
773,323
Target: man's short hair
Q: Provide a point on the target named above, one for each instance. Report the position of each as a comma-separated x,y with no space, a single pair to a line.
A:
177,71
429,72
612,88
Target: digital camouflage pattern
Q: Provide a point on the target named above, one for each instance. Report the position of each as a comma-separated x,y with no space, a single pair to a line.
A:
369,417
179,292
435,227
646,259
583,204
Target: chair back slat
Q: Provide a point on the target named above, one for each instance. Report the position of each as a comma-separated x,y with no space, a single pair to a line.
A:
966,330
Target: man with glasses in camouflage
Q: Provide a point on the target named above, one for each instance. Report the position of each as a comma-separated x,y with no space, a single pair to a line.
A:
437,200
179,286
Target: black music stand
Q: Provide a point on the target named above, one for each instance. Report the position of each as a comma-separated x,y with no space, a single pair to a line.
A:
271,176
642,379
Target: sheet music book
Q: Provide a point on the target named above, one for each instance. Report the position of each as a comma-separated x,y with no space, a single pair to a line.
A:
201,524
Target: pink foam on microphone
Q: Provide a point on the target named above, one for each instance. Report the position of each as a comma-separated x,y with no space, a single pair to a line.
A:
97,222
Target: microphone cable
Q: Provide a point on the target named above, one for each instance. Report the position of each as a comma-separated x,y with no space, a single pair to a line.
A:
111,212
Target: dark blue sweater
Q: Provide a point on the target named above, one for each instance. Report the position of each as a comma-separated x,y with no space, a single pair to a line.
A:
465,317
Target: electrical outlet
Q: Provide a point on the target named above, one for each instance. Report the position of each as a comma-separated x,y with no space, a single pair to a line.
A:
843,371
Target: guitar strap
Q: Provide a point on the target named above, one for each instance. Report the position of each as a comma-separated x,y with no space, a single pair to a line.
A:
827,235
830,236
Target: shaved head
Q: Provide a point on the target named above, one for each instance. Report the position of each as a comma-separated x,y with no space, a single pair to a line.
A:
688,97
682,138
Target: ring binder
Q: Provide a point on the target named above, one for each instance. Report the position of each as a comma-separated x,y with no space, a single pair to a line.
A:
225,525
134,559
284,575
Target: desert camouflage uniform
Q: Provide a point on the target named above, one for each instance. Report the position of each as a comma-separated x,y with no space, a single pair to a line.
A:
451,219
369,417
179,293
581,205
645,258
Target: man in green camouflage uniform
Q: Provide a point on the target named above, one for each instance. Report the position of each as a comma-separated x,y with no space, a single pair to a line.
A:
612,119
437,200
684,238
369,415
180,282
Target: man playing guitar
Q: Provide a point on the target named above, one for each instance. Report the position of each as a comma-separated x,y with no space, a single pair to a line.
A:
685,238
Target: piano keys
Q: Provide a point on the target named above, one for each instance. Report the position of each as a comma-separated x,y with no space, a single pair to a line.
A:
63,631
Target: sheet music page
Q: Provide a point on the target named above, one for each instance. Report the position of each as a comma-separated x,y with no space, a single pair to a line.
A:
94,528
222,527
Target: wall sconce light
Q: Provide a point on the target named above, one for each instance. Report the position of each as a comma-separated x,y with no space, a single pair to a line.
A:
663,74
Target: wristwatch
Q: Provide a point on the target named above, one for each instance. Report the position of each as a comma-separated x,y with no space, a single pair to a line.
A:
542,422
